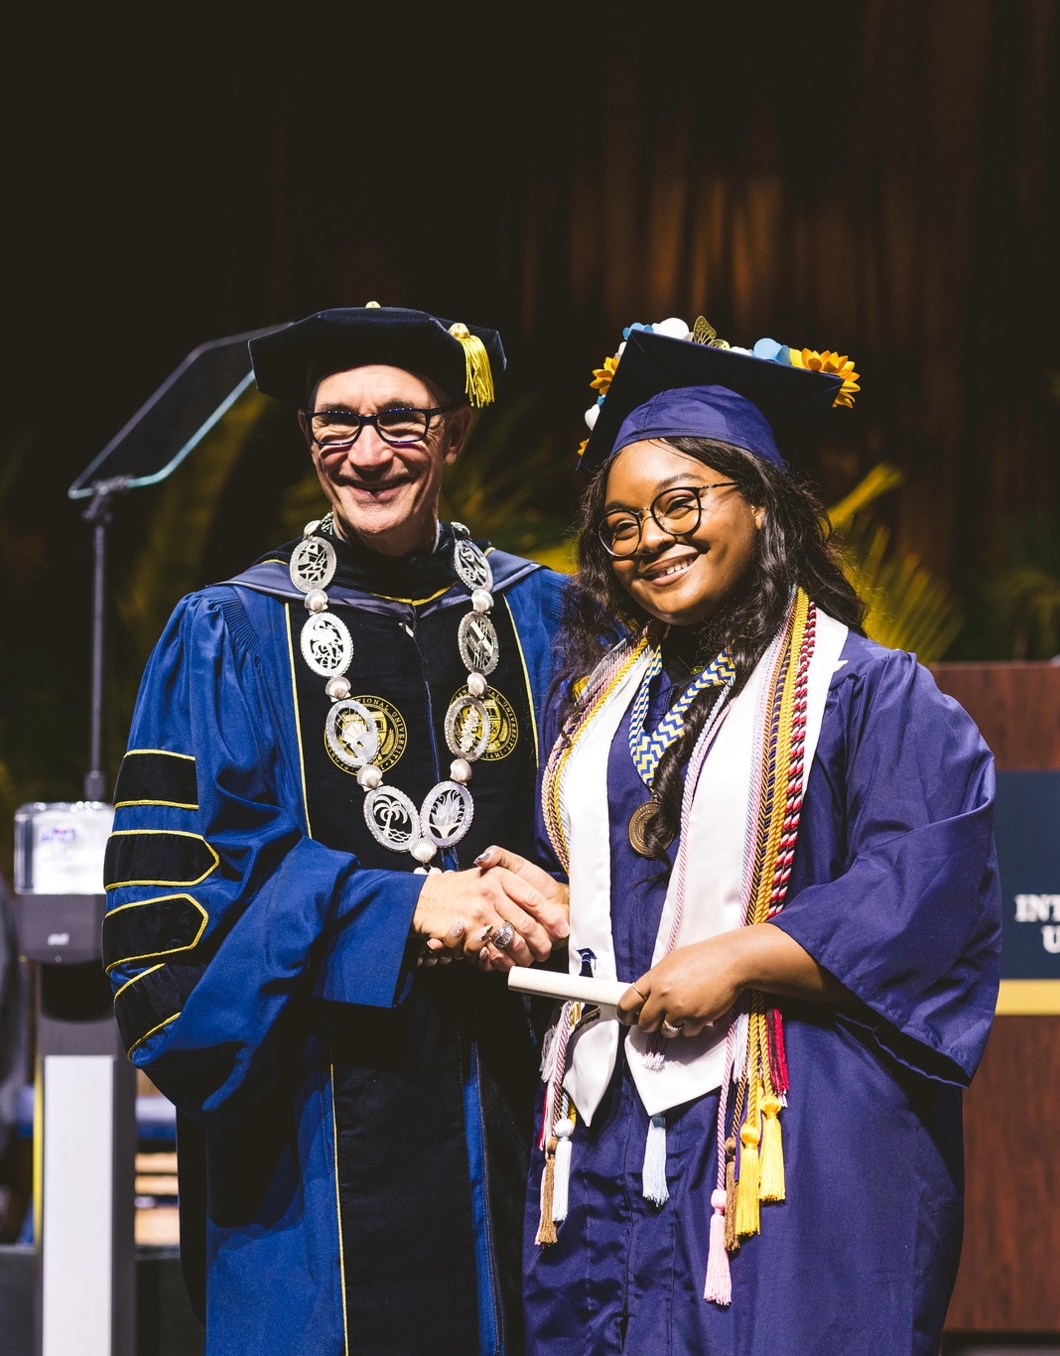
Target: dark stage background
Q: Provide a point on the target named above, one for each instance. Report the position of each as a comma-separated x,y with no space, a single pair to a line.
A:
879,178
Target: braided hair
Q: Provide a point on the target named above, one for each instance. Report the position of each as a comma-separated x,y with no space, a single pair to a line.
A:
792,549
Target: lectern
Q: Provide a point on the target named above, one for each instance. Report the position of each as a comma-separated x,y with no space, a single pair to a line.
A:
85,1111
1007,1283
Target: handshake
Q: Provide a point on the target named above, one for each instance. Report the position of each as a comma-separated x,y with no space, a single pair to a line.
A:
505,911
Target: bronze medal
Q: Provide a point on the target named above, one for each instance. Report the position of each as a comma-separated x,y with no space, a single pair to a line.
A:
639,822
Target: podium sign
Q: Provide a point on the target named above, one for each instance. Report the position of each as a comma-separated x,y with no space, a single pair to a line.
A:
1027,831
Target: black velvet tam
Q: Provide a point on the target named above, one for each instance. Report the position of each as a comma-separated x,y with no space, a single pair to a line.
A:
289,362
655,363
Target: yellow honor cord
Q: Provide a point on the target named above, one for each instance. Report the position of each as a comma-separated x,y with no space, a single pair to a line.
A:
479,382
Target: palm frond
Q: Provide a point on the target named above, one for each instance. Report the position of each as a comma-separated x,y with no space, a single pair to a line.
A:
881,479
501,480
1027,601
908,608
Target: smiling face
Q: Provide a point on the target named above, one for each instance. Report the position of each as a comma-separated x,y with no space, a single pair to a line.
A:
386,497
682,581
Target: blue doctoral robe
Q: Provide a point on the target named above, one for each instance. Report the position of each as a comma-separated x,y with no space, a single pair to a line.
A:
366,1124
894,891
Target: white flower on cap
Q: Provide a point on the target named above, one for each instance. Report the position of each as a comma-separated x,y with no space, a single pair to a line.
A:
591,416
676,329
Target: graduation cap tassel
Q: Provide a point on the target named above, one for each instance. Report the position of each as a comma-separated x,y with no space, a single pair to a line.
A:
479,382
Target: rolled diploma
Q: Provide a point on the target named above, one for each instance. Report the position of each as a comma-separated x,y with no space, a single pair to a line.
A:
549,984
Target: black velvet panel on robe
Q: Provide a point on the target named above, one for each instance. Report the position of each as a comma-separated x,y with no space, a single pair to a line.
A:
410,1082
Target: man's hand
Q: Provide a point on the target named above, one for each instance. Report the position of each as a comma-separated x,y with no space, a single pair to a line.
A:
459,912
548,900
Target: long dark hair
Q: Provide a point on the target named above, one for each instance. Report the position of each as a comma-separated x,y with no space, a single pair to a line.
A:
791,549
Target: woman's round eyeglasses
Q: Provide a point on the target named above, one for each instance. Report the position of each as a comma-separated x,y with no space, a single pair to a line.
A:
677,512
335,430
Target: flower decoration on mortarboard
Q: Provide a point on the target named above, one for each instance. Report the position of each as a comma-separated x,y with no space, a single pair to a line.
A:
674,328
602,375
829,362
702,332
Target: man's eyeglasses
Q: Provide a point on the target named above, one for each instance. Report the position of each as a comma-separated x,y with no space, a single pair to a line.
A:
678,512
335,430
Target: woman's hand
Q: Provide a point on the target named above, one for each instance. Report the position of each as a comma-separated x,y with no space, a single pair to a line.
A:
695,985
690,987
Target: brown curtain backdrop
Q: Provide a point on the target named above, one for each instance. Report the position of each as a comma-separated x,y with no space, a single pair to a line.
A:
888,190
879,178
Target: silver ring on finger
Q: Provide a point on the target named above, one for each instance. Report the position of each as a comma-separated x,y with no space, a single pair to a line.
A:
504,936
669,1030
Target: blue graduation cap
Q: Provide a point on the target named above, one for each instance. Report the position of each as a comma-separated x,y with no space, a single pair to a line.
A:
666,387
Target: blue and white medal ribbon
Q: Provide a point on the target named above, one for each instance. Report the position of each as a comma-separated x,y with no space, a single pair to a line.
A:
647,749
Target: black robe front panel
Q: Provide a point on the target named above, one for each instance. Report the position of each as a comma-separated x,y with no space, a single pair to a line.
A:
433,1098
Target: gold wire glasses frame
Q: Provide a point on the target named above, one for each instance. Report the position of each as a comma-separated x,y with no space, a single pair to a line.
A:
334,430
677,512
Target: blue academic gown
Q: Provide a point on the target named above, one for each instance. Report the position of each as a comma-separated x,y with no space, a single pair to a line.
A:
366,1123
894,891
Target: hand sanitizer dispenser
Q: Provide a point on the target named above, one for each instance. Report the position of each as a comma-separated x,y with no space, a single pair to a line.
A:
85,1114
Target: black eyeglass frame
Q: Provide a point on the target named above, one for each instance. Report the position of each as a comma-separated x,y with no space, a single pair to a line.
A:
640,514
362,419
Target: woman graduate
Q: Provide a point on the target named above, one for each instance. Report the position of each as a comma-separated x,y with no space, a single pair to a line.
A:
793,867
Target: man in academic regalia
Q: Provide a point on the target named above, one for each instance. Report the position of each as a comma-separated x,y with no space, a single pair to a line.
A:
321,748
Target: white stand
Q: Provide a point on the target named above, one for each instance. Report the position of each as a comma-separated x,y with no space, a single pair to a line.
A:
84,1138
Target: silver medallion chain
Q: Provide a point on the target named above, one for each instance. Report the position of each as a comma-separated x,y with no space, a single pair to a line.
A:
393,818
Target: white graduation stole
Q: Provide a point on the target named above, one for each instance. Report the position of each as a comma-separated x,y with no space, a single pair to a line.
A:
715,887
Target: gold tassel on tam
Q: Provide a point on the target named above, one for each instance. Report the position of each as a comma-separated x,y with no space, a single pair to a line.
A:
771,1184
546,1229
748,1216
479,387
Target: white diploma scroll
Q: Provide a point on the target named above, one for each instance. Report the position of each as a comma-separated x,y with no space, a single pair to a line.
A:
605,993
